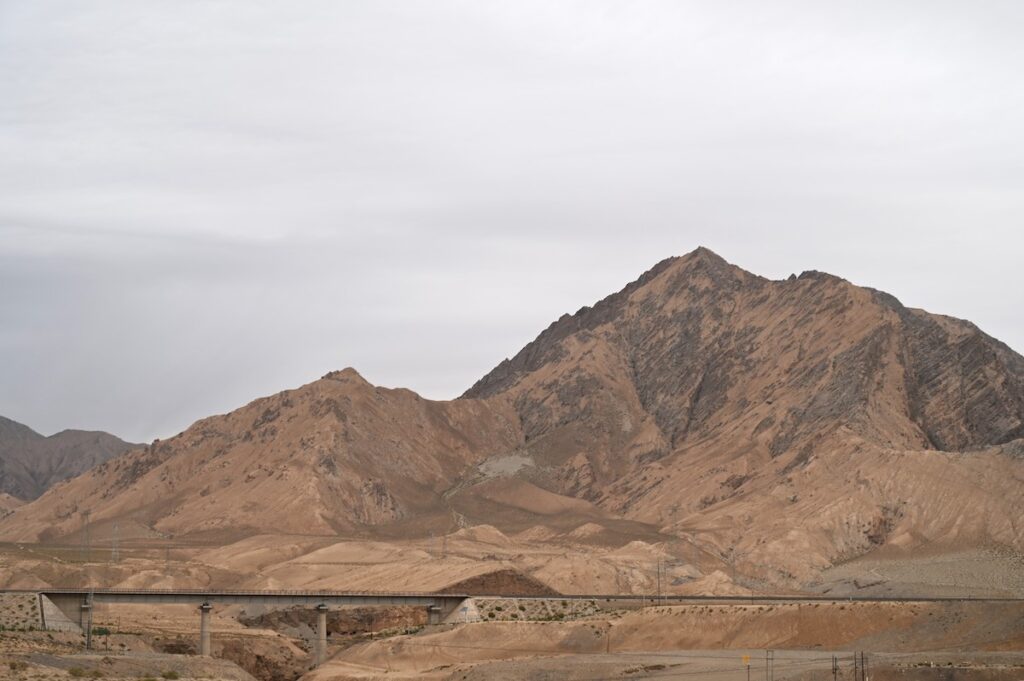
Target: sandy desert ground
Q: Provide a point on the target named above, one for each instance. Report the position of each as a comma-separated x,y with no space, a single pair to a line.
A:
917,640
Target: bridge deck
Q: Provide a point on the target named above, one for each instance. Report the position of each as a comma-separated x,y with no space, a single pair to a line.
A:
426,597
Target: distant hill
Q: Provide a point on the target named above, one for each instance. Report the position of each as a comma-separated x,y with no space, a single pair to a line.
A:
31,463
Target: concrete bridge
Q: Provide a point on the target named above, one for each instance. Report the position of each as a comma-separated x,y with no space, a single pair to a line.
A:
73,606
76,605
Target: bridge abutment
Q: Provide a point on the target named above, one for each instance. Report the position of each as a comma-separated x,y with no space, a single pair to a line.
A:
443,608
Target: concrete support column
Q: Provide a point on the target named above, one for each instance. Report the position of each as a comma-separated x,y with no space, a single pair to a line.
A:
204,629
86,623
434,614
321,633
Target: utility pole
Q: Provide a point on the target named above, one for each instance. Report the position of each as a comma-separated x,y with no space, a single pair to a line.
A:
85,536
114,557
855,670
659,580
835,669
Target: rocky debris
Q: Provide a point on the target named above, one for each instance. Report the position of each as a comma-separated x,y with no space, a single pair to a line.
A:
264,658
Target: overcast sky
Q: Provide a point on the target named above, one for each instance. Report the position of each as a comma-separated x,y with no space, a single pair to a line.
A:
202,203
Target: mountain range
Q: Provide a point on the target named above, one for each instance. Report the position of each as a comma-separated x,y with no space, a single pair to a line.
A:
784,425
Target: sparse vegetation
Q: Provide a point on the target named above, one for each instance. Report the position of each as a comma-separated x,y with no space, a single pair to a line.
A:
170,674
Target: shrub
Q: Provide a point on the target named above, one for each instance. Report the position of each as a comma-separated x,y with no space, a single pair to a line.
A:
76,672
170,674
17,665
96,674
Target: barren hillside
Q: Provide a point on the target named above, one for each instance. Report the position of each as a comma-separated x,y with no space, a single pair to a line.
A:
781,426
31,463
790,423
332,456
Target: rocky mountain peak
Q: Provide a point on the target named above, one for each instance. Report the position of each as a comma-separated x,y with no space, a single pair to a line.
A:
798,422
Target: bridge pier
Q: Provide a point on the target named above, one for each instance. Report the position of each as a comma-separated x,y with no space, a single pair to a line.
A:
85,621
321,634
204,629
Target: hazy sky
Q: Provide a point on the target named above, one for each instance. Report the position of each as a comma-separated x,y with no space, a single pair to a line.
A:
202,203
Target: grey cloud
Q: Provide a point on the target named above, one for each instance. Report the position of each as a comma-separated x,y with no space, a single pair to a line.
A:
201,203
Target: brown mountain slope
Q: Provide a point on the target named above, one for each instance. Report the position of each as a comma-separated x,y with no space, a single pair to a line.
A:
782,426
697,342
31,463
773,416
332,456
